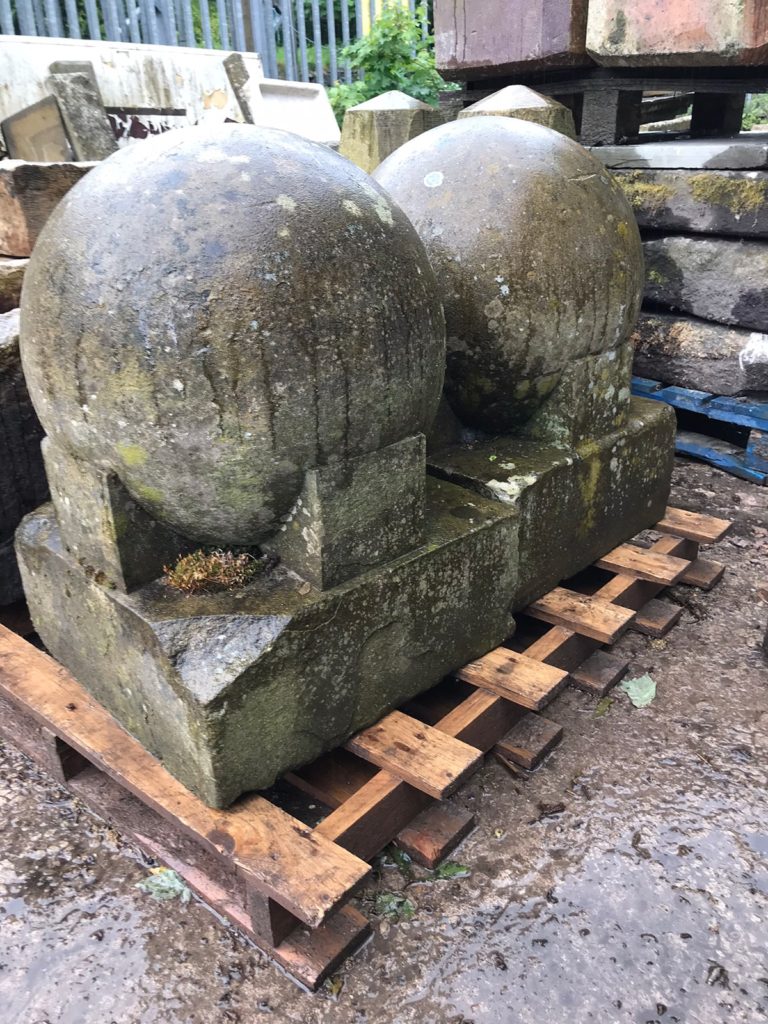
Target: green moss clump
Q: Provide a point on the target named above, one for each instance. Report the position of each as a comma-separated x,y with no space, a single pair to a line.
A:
206,571
739,195
645,195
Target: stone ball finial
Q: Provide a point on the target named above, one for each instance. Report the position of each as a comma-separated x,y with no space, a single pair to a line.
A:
213,312
536,251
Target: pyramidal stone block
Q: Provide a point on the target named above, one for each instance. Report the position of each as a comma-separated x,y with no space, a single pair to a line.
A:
374,129
521,102
684,33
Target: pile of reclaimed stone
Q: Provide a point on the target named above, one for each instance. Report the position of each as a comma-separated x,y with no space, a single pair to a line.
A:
703,212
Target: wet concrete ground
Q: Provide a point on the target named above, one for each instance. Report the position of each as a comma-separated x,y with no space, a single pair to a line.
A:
642,899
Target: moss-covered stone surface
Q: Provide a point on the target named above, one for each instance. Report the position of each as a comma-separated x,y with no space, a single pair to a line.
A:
709,202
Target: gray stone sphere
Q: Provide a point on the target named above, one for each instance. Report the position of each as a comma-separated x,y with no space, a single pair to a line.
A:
212,312
536,251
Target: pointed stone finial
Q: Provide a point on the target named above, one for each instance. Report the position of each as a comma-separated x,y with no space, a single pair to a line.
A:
374,129
521,102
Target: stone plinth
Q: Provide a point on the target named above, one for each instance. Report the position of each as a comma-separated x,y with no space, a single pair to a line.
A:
376,128
477,38
232,689
29,193
521,102
713,278
745,153
682,33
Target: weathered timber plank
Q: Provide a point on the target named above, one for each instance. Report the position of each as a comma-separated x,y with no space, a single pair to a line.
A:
586,614
693,526
644,564
529,741
434,833
419,754
516,677
656,618
276,853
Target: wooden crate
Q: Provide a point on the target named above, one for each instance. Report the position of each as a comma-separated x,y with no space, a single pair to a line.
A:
288,885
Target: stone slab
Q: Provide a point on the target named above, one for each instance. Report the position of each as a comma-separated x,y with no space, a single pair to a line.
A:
484,38
684,33
703,202
692,353
29,193
83,114
745,153
376,128
11,280
575,504
129,75
22,478
714,278
524,103
232,689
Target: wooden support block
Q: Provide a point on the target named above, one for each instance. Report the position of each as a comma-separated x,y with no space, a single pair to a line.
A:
716,115
419,754
63,762
269,921
592,616
693,526
529,741
704,574
271,850
516,677
599,673
434,833
656,618
644,564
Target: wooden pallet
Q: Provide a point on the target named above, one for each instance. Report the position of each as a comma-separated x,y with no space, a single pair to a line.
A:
748,460
287,884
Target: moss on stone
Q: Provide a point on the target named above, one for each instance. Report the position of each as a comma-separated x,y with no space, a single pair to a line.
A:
738,195
645,195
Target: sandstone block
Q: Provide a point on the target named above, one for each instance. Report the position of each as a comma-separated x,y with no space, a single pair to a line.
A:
494,37
521,102
703,356
683,33
714,278
11,278
742,154
705,202
29,193
376,128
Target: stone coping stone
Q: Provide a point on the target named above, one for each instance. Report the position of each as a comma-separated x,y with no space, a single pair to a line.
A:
741,153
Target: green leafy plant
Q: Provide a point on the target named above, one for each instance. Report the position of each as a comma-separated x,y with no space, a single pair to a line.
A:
396,54
755,111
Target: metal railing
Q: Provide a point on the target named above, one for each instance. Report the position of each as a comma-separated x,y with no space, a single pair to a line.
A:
296,39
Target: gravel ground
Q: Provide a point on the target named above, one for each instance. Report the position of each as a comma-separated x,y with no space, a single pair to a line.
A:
641,899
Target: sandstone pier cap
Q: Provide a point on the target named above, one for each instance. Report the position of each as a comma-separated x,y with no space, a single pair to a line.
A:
536,251
213,312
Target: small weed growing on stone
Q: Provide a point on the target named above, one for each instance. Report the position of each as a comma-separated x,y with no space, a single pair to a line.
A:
206,571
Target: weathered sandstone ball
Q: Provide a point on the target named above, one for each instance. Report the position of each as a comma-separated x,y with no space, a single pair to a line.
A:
212,312
536,252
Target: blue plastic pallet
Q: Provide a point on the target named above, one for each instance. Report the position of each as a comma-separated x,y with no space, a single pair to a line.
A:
749,462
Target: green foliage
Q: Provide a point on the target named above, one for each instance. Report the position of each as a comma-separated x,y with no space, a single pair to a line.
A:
394,55
755,111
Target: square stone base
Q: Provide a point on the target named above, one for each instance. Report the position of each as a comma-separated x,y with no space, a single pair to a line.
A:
575,503
233,689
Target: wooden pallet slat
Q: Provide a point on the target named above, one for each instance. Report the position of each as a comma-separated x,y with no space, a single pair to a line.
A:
644,564
516,677
307,875
589,615
419,754
434,833
529,741
694,526
703,573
